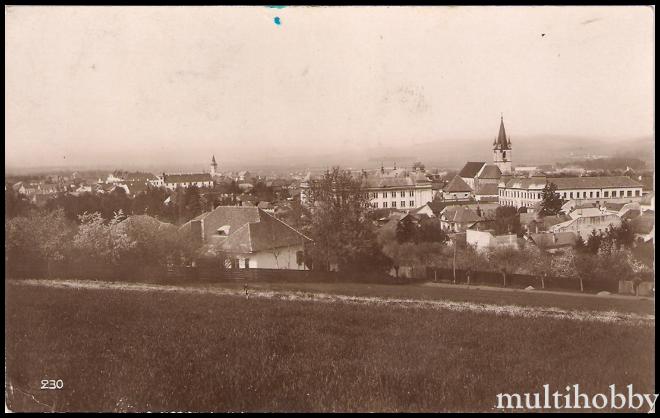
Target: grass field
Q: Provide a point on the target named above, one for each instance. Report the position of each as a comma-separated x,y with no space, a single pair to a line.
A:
475,294
135,351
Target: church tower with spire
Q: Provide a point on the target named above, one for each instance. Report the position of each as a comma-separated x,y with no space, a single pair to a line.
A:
214,167
502,150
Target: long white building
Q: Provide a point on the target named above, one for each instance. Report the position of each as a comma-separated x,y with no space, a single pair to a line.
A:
528,192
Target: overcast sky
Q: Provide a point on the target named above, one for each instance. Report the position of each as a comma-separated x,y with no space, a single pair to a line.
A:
87,85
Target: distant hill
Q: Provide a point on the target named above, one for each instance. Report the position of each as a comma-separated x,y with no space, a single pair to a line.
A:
446,153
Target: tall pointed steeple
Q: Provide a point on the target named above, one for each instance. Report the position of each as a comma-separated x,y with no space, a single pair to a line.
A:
214,166
502,149
502,141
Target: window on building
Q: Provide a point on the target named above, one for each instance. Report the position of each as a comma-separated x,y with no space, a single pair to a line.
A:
412,203
402,194
376,205
300,258
403,203
411,193
629,193
591,194
247,263
636,192
606,193
384,204
571,194
393,204
384,194
597,194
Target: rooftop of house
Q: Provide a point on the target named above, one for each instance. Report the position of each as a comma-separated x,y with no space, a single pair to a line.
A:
248,229
471,169
460,214
585,212
488,189
490,171
457,185
572,183
187,178
549,240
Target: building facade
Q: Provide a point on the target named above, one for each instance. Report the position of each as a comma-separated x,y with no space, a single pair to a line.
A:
172,181
410,192
528,192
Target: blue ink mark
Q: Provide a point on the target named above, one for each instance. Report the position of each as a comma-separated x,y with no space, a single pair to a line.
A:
277,7
277,20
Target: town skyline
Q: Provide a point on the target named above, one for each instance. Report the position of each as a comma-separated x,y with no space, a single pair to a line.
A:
124,102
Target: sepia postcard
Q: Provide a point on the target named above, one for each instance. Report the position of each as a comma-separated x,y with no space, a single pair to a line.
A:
323,209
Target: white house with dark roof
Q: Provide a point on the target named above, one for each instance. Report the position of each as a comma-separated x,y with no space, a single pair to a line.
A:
249,238
456,189
458,218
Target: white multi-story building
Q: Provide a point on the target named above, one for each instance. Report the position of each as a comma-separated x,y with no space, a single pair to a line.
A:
172,181
398,192
410,192
528,192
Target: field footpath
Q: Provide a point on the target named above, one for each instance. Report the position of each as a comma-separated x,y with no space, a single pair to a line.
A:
306,296
535,290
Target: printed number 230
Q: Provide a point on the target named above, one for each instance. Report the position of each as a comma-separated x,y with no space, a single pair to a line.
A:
52,384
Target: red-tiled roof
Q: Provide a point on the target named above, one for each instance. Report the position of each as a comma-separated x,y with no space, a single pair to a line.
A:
268,233
460,214
566,183
249,229
470,169
457,184
490,171
571,183
548,240
487,190
387,182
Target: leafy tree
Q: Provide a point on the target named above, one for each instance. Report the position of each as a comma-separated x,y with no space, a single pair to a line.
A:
593,242
506,260
341,232
97,242
406,230
507,220
620,236
193,205
551,203
298,216
35,242
538,263
430,230
580,245
263,192
16,204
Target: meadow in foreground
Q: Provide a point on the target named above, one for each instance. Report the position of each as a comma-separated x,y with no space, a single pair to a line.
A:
139,351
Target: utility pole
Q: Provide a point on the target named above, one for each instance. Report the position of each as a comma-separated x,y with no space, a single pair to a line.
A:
454,262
